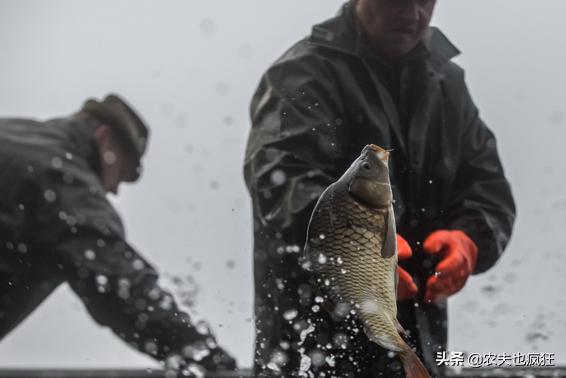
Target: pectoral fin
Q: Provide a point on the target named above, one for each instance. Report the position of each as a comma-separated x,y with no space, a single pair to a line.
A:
306,257
396,280
400,329
390,239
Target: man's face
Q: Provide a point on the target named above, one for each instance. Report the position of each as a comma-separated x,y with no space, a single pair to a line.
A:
394,27
114,162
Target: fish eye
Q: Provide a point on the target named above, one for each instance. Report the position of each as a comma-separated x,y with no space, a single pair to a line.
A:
366,165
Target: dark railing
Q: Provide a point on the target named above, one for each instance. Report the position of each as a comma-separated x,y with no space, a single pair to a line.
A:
556,372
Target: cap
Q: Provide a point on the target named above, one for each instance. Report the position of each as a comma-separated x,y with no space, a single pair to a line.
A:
125,123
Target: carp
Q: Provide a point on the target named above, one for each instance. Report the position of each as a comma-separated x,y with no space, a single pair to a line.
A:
351,249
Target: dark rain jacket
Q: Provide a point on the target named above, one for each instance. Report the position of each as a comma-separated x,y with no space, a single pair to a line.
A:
56,225
315,109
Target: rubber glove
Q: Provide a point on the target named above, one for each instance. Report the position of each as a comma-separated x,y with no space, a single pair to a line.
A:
406,287
458,254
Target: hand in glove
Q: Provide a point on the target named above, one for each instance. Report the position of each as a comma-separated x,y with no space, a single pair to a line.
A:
458,255
406,287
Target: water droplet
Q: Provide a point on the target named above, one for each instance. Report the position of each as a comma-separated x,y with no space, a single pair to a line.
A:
109,157
90,255
197,351
202,327
166,302
317,358
196,370
278,177
290,314
304,366
207,26
49,195
101,279
138,264
340,340
150,347
293,249
273,366
228,120
56,162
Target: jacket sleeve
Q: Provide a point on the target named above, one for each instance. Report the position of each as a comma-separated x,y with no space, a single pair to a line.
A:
482,204
117,286
297,143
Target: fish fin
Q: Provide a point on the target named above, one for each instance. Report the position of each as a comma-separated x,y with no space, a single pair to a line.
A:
396,281
413,366
305,259
391,342
307,249
388,340
400,328
390,240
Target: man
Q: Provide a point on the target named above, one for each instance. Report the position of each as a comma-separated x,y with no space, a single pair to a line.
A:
56,225
376,73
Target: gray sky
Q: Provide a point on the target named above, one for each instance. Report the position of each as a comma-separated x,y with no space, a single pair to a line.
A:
190,67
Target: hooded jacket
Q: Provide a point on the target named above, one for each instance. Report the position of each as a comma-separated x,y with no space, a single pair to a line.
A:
314,110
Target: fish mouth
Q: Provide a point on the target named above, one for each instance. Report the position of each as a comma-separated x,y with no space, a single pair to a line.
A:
382,153
376,148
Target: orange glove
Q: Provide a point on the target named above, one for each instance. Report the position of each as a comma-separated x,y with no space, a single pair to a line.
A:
406,287
458,254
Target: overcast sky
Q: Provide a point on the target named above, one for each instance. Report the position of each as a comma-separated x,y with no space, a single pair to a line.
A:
190,68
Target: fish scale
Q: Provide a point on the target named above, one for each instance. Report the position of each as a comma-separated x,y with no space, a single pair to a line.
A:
357,248
351,250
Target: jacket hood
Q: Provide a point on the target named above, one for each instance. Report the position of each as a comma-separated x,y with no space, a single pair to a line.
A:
343,33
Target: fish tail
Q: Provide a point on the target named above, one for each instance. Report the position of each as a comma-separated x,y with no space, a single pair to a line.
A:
413,366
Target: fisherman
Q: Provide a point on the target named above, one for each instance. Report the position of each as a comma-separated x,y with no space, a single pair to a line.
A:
57,225
375,73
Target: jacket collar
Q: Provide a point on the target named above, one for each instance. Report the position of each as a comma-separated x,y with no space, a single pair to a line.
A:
343,33
80,131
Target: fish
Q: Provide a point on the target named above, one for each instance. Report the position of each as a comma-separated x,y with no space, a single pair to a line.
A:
351,249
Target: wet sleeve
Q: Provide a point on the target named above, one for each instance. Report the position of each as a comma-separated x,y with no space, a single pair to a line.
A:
482,204
117,286
297,143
